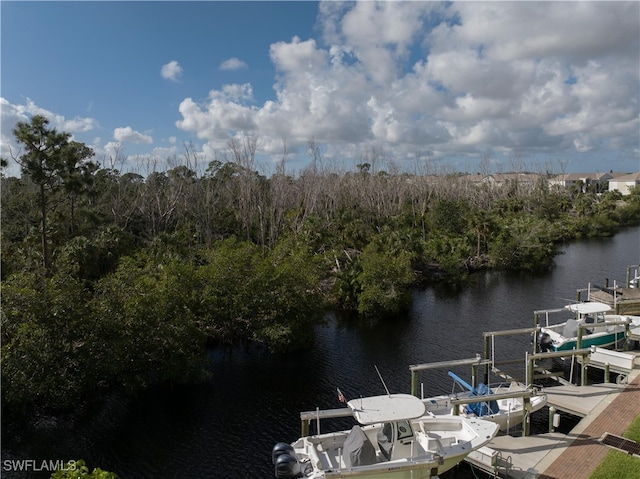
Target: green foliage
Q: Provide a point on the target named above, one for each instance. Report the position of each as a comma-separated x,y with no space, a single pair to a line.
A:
226,279
450,251
627,210
289,280
79,470
91,258
633,431
43,340
617,464
145,329
385,282
137,329
346,287
274,299
524,244
449,216
43,159
19,210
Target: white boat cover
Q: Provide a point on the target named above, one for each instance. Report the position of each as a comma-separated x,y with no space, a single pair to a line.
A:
357,449
387,408
591,307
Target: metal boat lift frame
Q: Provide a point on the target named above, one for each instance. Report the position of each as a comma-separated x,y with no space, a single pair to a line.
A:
475,363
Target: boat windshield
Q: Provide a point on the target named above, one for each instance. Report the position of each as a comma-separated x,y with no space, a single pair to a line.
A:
594,318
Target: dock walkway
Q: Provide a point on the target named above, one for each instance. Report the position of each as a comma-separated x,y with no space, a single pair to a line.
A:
605,407
580,400
584,453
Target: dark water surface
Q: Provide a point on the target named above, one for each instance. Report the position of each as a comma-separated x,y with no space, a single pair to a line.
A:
227,427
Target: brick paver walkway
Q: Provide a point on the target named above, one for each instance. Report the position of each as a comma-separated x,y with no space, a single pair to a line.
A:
580,459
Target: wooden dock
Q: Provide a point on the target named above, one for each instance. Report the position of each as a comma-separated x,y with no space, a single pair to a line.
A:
580,400
517,456
623,297
622,300
604,408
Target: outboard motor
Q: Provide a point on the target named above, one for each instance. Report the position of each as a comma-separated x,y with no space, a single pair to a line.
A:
287,467
544,343
285,461
279,449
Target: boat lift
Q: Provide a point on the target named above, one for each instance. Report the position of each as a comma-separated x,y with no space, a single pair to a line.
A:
489,350
475,363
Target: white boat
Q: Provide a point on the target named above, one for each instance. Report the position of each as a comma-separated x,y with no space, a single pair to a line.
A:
564,336
392,440
507,413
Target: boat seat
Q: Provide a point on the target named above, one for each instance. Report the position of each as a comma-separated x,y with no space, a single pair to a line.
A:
428,441
436,442
447,441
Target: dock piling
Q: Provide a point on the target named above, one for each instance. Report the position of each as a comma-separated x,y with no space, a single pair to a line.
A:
526,415
487,347
552,417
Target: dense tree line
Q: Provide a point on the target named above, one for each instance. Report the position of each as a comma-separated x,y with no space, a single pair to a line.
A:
115,280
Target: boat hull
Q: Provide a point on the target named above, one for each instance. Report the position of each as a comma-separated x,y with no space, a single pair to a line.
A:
408,471
598,340
393,471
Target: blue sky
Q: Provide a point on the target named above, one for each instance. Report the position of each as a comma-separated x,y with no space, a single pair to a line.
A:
421,86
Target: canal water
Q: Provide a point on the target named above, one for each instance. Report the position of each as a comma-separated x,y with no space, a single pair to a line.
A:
227,427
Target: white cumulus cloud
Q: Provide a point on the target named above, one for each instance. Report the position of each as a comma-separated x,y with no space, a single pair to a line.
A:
171,71
128,134
232,64
455,79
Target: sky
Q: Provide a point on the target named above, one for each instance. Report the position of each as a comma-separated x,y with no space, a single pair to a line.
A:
468,86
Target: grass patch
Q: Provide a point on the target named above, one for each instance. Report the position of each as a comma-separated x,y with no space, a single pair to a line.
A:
619,464
633,432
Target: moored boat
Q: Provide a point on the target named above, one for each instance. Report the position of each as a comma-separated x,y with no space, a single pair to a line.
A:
599,328
394,438
507,413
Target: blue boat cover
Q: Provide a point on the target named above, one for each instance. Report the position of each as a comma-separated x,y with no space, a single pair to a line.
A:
482,408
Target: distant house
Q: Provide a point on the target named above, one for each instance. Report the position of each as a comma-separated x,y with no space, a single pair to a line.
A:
520,180
480,179
499,180
624,183
597,182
